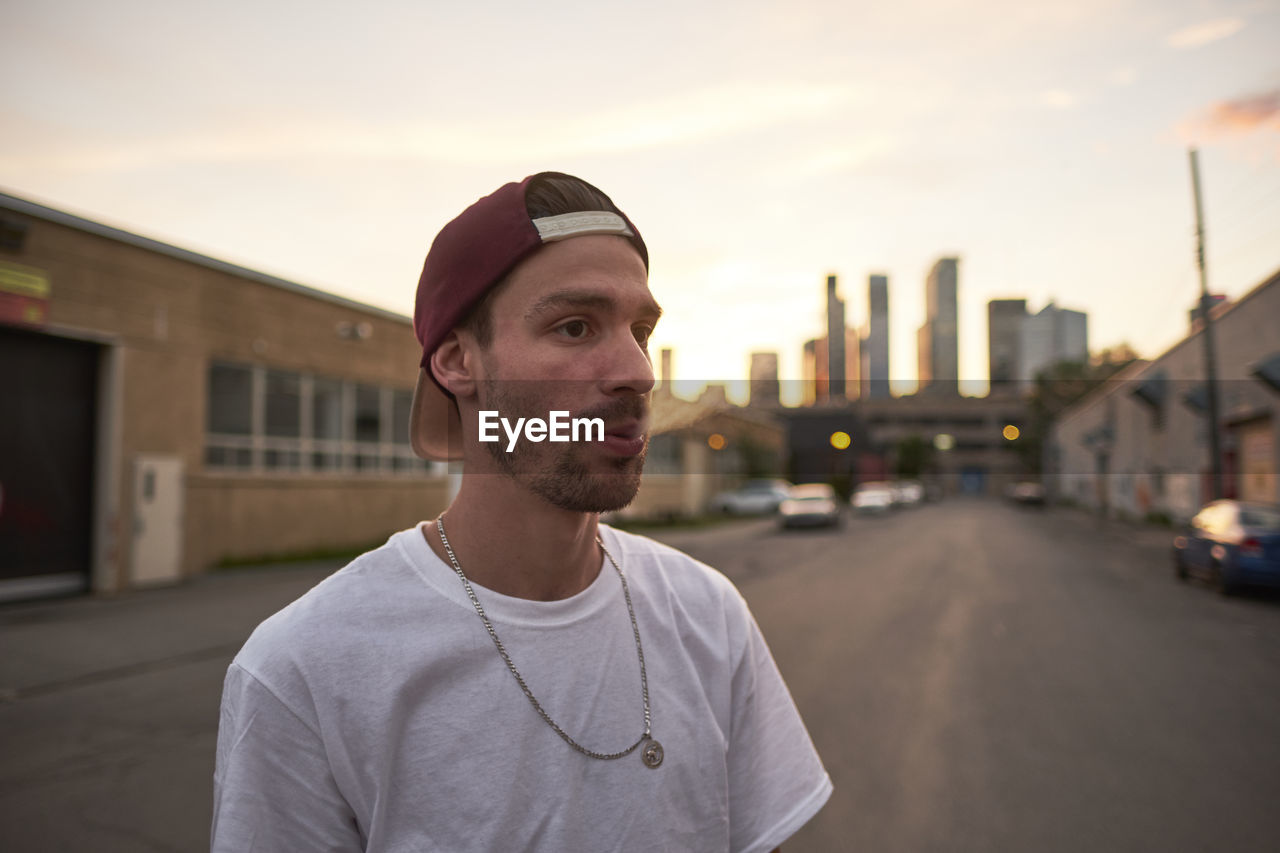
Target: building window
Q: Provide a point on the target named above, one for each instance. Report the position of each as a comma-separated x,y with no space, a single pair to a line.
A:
403,458
230,400
229,421
266,420
284,404
326,424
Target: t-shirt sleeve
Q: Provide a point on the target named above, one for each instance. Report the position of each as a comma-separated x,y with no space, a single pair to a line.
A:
272,786
777,781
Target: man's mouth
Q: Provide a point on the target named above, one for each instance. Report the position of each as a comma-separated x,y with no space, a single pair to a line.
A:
625,438
626,429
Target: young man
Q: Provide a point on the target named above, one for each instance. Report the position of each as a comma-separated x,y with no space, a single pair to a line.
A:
514,675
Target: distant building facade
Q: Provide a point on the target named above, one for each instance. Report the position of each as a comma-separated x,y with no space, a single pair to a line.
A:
969,452
166,412
830,372
764,388
813,372
698,448
1005,319
937,340
1051,336
836,339
1140,444
874,367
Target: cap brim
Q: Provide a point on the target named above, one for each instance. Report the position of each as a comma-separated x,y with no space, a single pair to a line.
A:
435,427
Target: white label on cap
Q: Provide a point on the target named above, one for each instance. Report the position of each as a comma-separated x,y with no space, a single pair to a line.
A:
584,222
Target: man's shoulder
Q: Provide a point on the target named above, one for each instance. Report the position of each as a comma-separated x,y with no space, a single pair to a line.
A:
349,601
661,563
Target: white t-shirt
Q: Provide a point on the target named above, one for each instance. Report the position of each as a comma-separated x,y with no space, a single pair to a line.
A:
375,714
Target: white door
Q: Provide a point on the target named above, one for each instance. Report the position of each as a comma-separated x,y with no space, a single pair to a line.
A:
157,520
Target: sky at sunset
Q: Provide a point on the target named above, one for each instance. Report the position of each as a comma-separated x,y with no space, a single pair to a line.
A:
758,146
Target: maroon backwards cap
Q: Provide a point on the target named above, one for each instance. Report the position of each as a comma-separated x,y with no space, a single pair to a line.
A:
469,256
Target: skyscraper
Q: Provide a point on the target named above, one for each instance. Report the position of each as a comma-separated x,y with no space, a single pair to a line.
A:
1005,319
937,342
1051,336
830,364
813,372
835,341
764,386
875,347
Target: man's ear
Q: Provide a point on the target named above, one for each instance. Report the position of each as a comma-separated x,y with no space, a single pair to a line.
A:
453,365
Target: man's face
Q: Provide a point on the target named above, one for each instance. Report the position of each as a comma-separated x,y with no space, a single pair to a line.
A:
570,333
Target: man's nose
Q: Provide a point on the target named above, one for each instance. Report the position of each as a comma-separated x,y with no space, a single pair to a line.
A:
631,369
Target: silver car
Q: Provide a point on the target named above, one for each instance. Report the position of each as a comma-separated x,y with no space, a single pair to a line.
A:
875,497
755,497
810,505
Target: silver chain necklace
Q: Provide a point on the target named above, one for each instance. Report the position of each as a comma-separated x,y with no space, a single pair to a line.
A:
652,753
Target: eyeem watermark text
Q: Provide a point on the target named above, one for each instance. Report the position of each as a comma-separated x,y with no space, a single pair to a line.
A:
558,427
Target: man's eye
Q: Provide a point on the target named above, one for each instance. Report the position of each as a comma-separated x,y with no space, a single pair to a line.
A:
642,334
574,329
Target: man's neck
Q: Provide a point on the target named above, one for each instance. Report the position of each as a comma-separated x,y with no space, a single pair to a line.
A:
516,544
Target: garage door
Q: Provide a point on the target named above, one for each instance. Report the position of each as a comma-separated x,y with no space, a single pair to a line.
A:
48,393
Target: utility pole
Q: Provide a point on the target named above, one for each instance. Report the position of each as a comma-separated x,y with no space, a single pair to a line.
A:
1210,363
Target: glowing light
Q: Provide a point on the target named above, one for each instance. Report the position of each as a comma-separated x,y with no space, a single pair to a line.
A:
943,441
715,441
840,440
1011,432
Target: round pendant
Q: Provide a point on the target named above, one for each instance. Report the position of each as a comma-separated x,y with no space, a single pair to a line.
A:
652,753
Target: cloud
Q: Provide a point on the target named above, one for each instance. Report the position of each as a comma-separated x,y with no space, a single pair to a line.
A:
1248,113
684,118
1198,35
1124,76
1058,99
1249,125
1239,116
825,162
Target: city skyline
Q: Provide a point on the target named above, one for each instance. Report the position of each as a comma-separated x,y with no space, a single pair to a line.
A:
1020,344
1044,148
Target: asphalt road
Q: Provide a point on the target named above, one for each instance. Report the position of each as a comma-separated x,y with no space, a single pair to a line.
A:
980,677
976,677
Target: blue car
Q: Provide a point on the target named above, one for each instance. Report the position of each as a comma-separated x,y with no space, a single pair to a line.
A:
1232,544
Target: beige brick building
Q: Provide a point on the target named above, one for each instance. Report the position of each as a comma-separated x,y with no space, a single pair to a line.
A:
165,412
1139,445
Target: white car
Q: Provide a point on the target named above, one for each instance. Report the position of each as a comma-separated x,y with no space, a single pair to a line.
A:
873,497
810,505
756,497
907,493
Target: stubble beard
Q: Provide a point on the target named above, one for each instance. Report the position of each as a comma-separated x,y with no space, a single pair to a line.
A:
558,472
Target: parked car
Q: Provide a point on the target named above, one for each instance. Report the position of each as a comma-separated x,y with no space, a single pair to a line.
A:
755,497
873,497
1232,544
907,493
1027,493
810,505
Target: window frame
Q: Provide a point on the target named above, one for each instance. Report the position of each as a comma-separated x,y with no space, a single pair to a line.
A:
257,453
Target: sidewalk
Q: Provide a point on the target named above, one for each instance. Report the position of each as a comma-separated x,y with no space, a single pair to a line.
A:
50,645
1139,533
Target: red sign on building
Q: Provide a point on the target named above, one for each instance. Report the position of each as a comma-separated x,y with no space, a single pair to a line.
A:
24,295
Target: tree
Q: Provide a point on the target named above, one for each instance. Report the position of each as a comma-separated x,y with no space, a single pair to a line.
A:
1057,388
912,457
